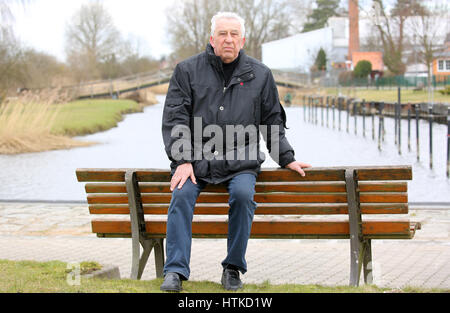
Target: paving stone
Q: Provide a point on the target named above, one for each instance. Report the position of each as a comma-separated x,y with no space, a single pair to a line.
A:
62,232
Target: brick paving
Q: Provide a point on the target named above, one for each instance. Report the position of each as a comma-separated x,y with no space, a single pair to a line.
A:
53,231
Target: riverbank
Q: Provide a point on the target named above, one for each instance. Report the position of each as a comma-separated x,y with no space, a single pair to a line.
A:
369,95
40,125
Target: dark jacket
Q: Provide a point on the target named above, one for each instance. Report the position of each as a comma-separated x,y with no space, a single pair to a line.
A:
197,93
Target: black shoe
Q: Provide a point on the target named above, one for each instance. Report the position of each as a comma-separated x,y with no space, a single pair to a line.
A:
172,282
231,280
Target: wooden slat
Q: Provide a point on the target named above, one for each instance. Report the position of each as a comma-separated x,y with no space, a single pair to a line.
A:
386,173
378,197
263,209
259,198
262,228
260,187
222,198
267,174
383,186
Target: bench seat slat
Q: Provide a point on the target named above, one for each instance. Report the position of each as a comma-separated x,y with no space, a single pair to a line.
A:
264,228
259,198
260,187
262,209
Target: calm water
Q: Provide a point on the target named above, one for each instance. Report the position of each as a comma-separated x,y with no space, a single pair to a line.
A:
137,142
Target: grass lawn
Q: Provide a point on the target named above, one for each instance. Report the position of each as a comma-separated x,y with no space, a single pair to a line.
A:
389,95
52,277
90,116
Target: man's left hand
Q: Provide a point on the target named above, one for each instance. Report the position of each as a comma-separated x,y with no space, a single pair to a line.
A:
298,167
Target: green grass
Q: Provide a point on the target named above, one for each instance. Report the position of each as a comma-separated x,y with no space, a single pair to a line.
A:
90,116
52,277
389,95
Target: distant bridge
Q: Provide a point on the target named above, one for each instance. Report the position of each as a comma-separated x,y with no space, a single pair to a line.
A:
115,87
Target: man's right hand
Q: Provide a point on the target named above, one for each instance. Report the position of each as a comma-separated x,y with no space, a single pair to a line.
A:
182,173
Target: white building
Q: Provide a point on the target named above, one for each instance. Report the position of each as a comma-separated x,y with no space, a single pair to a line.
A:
298,53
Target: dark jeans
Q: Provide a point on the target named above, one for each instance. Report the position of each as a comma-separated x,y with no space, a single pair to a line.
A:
179,223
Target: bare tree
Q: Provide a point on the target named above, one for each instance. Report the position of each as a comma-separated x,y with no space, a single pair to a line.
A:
298,13
391,28
189,24
92,38
266,20
427,28
10,50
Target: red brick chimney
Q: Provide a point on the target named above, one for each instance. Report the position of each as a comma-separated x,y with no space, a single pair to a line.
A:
353,14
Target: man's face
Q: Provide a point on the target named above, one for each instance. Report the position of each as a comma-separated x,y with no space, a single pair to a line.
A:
227,40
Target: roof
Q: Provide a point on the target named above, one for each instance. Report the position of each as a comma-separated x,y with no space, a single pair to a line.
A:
442,54
376,58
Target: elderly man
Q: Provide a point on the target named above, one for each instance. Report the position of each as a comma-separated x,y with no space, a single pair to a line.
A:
208,93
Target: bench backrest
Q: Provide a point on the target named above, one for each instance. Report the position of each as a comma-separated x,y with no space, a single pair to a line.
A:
324,191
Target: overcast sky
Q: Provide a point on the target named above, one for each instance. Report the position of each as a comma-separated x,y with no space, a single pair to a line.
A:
41,23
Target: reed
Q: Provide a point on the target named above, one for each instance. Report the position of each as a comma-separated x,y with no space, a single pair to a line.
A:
26,123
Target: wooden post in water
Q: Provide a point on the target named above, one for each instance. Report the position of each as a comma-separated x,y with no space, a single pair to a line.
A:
317,109
430,118
448,143
304,108
309,109
417,131
372,113
328,104
399,110
339,112
355,105
333,104
395,122
363,105
409,127
380,125
383,129
348,113
321,108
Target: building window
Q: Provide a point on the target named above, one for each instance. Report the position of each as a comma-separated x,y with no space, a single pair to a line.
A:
444,66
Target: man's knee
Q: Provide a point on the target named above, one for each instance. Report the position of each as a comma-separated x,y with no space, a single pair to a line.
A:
242,195
184,198
242,188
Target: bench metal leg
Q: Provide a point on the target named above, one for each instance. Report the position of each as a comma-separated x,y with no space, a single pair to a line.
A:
356,261
159,257
138,229
139,261
368,265
355,227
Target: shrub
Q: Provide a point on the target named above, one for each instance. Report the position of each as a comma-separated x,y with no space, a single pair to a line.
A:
445,91
362,69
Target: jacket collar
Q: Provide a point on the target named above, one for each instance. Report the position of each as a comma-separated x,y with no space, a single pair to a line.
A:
243,66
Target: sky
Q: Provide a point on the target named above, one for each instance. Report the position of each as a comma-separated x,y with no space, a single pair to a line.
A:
41,23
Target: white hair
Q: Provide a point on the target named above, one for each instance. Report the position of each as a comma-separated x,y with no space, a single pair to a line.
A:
230,15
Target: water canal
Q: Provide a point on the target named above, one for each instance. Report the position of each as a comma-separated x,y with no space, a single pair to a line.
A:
137,143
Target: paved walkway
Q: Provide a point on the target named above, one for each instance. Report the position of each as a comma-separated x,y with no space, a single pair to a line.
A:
51,231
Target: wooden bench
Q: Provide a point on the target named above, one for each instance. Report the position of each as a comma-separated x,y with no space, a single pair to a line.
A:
283,198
